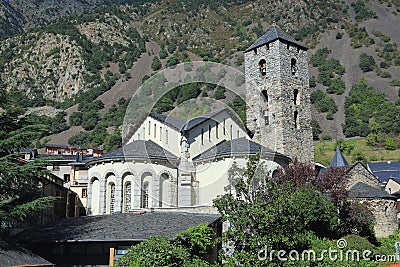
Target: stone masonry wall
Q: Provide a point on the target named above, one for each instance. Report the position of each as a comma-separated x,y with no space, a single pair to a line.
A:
385,214
280,133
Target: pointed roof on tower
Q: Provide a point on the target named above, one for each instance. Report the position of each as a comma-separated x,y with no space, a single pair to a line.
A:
338,159
272,34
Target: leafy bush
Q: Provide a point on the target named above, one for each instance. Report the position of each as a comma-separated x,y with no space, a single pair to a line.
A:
316,129
362,12
156,64
158,251
163,54
390,144
339,35
337,86
219,93
323,102
367,62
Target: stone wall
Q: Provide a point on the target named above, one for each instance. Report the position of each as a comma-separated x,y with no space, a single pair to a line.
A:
385,214
358,173
274,123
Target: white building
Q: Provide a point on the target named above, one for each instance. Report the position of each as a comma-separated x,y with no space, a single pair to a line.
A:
169,162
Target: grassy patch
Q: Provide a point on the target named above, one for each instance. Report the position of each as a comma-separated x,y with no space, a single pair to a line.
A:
324,151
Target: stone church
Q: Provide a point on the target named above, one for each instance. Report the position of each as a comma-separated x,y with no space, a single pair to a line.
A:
173,163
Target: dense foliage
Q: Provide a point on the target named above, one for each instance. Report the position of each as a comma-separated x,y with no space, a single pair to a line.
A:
364,105
188,249
20,193
324,103
288,211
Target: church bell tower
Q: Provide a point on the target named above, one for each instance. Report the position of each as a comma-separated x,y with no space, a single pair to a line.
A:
278,95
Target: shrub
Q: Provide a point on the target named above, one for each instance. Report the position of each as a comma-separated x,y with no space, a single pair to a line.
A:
326,137
367,63
390,144
156,64
339,35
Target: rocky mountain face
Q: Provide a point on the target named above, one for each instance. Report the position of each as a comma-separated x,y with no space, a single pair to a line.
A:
86,52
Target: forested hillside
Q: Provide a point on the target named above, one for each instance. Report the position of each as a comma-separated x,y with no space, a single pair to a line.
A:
99,49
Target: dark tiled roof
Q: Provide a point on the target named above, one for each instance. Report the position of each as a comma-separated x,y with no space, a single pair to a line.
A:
140,149
175,123
361,190
196,121
116,227
11,255
385,170
240,146
272,34
338,159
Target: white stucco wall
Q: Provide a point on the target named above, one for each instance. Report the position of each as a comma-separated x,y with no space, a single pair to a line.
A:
159,136
120,172
213,177
231,131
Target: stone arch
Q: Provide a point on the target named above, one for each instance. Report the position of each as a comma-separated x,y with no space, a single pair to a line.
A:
110,189
93,201
128,181
262,64
166,189
296,97
146,175
296,119
293,66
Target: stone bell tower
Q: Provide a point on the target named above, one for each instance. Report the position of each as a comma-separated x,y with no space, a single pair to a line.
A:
278,94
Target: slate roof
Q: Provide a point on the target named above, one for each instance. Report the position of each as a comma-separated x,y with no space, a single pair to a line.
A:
142,149
116,227
11,255
173,122
385,170
240,146
272,34
338,159
196,121
361,190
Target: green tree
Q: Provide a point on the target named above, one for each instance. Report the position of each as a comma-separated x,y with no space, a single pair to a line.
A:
316,129
257,207
390,144
156,64
159,251
367,62
20,195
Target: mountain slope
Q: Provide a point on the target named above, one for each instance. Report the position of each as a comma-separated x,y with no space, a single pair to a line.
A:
102,54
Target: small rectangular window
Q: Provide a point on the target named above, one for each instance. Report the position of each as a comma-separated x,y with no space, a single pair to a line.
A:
216,130
155,130
160,133
209,132
84,192
224,127
149,127
166,137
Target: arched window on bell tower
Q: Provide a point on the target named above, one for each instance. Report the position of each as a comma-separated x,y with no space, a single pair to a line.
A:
296,120
293,66
265,107
296,96
263,67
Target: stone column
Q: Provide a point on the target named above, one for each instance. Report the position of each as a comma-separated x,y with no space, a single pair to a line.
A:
156,191
118,194
172,192
185,190
186,170
89,199
137,192
102,195
195,193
